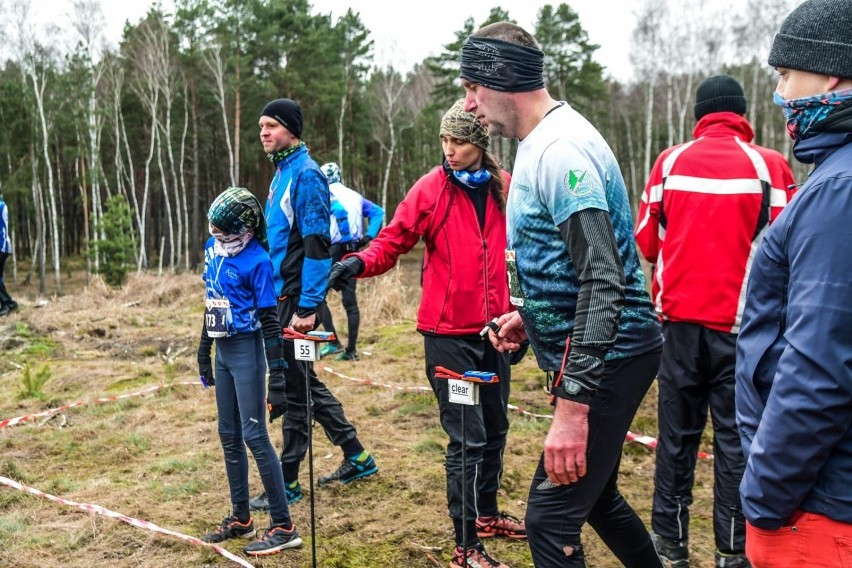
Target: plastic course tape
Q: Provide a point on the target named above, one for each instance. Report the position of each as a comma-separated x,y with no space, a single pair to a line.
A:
9,422
97,509
648,441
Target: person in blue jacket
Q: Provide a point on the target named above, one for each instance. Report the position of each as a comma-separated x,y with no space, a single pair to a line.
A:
298,219
240,316
794,352
349,210
7,304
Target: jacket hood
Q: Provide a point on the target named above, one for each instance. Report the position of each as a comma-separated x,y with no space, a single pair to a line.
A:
816,149
724,124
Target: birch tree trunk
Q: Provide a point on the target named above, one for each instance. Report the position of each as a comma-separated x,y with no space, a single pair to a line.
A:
213,61
38,90
649,128
196,197
182,177
166,202
39,246
237,107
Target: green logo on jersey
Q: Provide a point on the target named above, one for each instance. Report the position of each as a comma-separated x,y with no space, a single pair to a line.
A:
577,184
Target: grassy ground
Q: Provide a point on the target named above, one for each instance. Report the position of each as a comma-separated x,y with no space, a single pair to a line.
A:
157,457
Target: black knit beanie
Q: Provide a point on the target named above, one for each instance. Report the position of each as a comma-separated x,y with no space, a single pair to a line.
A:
720,93
816,37
287,112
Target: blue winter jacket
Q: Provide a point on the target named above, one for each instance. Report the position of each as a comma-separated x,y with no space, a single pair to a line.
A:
297,218
794,351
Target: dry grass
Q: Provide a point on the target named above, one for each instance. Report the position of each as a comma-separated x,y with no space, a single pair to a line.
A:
158,457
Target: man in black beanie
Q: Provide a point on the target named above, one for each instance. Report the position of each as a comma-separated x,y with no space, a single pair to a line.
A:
720,193
298,223
794,353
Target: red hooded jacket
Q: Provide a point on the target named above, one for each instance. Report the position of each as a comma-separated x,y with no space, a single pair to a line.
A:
705,209
464,268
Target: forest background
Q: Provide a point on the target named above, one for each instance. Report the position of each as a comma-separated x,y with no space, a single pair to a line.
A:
133,141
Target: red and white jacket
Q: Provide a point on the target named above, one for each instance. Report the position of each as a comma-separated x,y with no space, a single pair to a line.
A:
704,211
464,268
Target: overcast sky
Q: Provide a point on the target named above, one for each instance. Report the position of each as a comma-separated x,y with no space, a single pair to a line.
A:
413,30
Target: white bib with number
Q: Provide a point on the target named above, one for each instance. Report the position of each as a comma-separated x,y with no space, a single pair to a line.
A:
216,312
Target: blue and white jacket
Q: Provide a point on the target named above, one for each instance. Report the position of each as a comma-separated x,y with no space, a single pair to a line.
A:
297,218
357,209
794,351
5,241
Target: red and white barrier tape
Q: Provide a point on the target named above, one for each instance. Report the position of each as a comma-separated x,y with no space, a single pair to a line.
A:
648,441
97,509
374,383
9,422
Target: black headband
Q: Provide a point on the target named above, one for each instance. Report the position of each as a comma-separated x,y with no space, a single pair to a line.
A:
501,65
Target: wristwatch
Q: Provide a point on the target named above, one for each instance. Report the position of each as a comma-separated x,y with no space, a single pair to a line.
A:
574,390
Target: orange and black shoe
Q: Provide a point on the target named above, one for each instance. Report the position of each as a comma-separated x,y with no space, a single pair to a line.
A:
230,527
274,539
502,525
476,558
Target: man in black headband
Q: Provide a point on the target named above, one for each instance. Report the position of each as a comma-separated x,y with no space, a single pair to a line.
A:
575,278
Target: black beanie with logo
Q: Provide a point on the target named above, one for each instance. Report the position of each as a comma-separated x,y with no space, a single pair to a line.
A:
287,112
720,93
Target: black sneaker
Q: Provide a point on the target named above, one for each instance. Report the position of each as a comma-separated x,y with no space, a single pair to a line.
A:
294,495
731,560
350,470
274,539
230,528
672,553
259,503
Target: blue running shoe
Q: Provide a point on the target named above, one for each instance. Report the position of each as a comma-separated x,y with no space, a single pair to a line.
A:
356,467
330,349
294,492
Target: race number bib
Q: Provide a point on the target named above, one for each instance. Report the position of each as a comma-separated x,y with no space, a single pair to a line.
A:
216,316
516,296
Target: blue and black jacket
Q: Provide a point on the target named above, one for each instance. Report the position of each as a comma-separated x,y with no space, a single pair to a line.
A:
298,218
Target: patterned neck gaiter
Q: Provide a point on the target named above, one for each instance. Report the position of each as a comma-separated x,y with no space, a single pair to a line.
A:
473,179
229,245
807,112
281,155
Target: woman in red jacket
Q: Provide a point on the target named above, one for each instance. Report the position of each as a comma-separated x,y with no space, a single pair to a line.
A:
458,209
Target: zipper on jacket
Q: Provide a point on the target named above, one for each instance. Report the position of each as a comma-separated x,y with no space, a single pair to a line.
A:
485,276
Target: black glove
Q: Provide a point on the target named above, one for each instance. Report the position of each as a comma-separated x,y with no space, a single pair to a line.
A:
363,242
343,271
276,403
205,369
